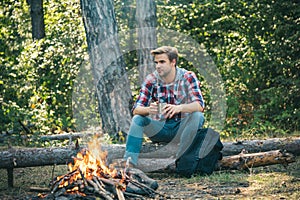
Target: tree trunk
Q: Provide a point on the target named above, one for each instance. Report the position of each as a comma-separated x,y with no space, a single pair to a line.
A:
147,22
113,91
37,18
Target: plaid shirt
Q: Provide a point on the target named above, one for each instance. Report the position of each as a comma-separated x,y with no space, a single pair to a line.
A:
185,89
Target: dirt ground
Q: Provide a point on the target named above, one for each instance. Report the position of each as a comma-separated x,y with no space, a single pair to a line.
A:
270,182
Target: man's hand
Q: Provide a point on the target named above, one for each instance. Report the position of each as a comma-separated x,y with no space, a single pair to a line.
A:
170,110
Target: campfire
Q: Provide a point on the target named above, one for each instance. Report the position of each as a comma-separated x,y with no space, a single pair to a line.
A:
89,177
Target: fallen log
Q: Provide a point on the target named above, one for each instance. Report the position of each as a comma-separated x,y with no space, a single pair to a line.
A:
235,162
291,145
68,136
30,157
241,161
245,161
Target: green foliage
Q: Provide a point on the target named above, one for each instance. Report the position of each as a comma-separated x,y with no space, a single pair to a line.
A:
255,45
12,15
38,76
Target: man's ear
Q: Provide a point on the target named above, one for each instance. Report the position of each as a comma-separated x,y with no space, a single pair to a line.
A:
173,62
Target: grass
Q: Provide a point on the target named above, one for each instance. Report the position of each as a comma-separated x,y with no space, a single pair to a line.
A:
270,182
24,178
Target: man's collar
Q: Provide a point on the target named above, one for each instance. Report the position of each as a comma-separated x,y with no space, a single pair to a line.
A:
179,75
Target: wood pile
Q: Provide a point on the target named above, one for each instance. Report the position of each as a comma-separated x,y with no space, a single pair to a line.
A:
89,178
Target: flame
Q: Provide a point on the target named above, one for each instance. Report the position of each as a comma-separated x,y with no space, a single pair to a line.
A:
87,164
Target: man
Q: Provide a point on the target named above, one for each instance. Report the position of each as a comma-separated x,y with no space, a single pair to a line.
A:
182,114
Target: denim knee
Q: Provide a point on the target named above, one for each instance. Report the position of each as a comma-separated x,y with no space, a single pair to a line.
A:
200,117
140,120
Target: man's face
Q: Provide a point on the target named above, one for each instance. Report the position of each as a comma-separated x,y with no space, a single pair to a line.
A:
163,65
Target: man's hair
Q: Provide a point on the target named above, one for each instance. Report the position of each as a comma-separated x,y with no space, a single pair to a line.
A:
171,52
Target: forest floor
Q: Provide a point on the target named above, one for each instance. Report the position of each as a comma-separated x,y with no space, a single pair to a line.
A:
269,182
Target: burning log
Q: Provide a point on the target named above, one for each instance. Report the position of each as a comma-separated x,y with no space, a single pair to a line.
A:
89,176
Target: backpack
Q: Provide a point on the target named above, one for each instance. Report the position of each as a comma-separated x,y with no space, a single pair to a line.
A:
202,155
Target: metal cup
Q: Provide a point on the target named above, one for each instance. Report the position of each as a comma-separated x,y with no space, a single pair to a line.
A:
161,107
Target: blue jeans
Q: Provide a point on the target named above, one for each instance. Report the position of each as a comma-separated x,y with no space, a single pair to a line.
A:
162,131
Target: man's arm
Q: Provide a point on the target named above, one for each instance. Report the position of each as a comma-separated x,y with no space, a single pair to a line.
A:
171,110
141,110
191,107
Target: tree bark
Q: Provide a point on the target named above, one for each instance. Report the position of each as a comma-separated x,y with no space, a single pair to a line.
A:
246,161
291,144
32,157
66,136
146,23
37,18
113,89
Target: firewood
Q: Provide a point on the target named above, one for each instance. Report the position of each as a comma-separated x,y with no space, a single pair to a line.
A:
146,189
83,178
55,186
132,195
98,184
105,186
91,178
69,196
98,190
39,189
93,184
60,192
120,194
106,182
